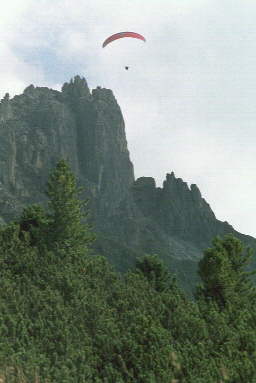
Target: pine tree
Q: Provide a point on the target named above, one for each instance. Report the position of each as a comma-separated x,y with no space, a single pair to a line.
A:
222,272
67,227
226,300
154,271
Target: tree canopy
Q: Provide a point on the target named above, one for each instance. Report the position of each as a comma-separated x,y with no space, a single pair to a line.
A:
67,316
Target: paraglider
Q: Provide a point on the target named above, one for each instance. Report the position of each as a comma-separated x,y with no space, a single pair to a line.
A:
120,35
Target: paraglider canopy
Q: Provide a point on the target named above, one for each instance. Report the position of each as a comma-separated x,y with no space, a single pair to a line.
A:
120,35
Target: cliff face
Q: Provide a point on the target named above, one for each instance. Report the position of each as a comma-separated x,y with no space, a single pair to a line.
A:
180,211
42,125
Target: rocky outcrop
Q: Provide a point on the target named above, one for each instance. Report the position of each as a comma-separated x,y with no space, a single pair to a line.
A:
86,128
179,211
43,125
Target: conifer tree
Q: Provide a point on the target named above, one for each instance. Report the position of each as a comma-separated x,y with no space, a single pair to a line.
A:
154,271
67,227
222,272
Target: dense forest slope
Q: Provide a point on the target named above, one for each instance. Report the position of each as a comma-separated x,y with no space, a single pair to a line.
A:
130,217
66,316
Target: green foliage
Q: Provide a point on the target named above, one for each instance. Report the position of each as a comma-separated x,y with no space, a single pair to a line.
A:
226,300
33,225
67,316
222,272
66,228
154,271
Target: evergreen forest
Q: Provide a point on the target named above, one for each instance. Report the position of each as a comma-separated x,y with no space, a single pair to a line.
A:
66,315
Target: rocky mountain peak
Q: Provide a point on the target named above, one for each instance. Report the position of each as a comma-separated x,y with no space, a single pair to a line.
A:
76,89
195,192
5,108
29,90
43,125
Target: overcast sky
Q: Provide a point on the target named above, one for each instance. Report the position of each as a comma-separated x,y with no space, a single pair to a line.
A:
188,98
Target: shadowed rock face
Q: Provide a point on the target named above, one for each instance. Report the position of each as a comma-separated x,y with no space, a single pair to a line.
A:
42,125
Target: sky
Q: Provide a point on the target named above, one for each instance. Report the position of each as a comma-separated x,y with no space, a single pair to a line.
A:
188,98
